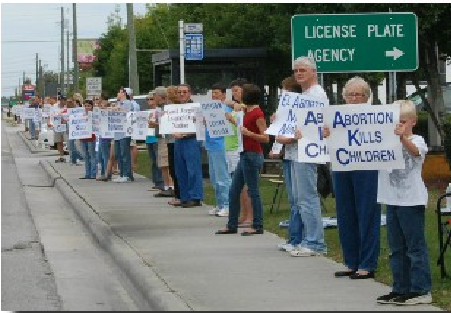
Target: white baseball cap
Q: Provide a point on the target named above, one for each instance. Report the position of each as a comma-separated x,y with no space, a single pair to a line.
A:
128,91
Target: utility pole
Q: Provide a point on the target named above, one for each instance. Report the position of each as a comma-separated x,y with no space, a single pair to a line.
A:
74,46
41,81
39,86
182,52
133,70
23,78
37,70
62,51
67,60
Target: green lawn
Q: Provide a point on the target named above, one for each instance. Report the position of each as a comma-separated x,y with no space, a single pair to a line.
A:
441,288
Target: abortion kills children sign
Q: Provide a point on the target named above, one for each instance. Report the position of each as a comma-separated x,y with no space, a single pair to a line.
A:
80,126
215,119
362,137
179,118
286,115
312,147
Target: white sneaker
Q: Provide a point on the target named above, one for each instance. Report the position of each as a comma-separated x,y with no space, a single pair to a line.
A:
214,211
224,212
288,247
412,299
305,252
125,180
117,180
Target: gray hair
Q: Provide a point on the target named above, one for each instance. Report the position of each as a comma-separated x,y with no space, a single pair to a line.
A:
161,91
360,82
307,61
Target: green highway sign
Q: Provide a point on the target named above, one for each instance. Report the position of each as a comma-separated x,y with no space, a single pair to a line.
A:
372,42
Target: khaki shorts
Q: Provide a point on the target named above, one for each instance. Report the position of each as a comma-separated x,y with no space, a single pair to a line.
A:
60,137
132,143
162,158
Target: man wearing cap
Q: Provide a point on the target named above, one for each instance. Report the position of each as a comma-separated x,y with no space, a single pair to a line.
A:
121,142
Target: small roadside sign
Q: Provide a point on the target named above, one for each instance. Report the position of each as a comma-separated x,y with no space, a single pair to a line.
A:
93,86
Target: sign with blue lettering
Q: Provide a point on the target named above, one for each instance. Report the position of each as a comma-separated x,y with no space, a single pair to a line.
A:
286,115
112,122
362,137
215,119
80,127
312,147
194,47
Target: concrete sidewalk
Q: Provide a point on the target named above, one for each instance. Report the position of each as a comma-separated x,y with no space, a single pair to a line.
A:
177,262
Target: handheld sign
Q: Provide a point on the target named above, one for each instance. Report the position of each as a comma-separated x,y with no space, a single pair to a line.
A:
312,147
141,126
362,137
179,118
217,124
200,127
286,115
80,126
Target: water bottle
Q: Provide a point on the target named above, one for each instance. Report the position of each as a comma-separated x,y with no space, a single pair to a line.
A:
448,199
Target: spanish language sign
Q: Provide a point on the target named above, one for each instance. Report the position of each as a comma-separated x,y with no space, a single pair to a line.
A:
217,124
312,147
362,137
179,118
286,115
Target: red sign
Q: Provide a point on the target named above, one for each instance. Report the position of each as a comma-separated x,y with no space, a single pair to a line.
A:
28,87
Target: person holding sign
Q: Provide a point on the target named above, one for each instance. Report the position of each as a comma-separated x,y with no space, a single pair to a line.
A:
358,213
217,163
59,134
307,222
89,146
188,160
406,197
248,168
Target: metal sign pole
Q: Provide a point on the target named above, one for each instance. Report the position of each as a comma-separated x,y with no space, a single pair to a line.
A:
182,53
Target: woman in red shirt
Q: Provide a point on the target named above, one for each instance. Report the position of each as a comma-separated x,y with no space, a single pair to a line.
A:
251,160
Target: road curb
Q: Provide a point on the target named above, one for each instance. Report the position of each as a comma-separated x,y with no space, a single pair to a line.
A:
143,276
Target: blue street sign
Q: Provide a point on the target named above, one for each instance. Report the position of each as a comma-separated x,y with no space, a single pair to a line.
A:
194,46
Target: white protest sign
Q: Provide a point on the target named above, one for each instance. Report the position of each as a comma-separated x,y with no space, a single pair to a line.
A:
217,124
80,127
37,115
200,127
286,119
312,147
362,137
104,129
96,121
112,122
18,109
179,118
76,111
141,127
46,110
239,123
131,122
57,125
28,113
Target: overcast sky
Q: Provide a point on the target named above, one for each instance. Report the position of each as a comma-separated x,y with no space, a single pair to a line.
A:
40,22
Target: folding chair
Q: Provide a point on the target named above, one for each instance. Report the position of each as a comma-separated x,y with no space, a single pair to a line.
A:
280,186
444,230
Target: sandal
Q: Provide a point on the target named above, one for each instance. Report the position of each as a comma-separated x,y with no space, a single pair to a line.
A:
226,231
252,232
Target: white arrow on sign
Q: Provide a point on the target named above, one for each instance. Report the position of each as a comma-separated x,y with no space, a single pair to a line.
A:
395,53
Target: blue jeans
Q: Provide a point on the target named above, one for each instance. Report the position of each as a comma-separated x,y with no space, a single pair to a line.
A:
307,207
104,148
31,129
188,168
74,153
219,177
155,172
247,172
358,217
409,260
123,156
90,159
295,220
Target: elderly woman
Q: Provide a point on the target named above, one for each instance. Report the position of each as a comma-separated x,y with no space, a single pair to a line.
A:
358,213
